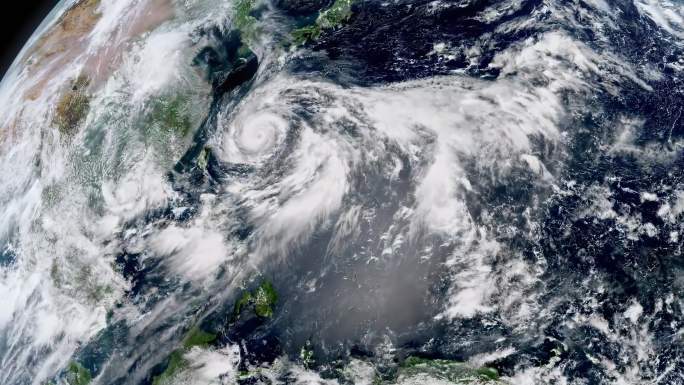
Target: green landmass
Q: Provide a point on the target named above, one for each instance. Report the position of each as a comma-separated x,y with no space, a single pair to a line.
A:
73,106
198,337
263,298
337,14
447,370
203,159
171,114
78,375
176,363
194,337
243,20
306,355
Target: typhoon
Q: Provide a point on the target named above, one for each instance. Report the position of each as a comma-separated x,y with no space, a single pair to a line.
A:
344,192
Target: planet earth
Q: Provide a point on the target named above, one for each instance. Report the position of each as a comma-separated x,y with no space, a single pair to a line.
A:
344,192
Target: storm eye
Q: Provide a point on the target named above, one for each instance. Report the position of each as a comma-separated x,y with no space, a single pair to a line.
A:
253,138
258,135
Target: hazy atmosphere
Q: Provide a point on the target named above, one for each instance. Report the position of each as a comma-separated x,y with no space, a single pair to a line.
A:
342,192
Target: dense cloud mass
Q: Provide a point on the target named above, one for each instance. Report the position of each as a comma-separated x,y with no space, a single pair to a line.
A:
344,192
